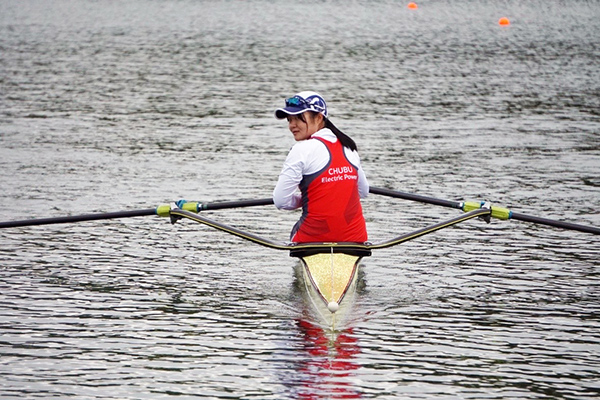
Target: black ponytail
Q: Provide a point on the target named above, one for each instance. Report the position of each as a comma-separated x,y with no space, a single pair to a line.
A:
342,137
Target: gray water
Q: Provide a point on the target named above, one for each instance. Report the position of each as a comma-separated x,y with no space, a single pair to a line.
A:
109,106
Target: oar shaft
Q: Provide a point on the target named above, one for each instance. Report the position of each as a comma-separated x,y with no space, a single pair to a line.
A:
78,218
505,213
162,211
556,224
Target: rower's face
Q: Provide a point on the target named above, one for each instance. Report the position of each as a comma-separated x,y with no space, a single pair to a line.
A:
302,130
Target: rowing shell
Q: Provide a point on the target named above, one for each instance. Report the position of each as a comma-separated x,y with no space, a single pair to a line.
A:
329,278
331,275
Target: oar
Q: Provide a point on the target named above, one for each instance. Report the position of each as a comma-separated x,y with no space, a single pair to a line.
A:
162,211
78,218
497,212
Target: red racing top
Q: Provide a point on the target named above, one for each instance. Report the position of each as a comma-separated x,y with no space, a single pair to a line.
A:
331,209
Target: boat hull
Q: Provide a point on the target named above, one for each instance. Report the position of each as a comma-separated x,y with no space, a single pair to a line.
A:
330,282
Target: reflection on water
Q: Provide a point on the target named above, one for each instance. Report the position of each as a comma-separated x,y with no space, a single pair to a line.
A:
327,370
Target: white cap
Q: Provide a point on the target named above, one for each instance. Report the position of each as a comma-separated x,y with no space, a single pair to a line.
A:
301,102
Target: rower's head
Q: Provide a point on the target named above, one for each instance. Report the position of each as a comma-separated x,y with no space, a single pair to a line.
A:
306,113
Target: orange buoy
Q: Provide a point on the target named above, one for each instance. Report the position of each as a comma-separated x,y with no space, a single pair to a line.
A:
504,21
412,6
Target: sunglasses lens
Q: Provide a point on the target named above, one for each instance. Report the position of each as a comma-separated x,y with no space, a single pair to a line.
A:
294,102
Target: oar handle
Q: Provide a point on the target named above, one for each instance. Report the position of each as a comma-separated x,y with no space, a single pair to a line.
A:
415,197
234,204
195,206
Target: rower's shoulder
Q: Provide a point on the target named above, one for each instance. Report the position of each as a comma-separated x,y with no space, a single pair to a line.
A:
308,145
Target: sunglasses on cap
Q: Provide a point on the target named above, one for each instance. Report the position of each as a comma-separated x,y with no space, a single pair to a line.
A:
296,101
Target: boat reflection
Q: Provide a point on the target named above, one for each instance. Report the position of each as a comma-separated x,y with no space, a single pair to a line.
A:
329,362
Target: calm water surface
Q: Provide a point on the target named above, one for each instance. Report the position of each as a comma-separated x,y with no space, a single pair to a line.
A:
109,106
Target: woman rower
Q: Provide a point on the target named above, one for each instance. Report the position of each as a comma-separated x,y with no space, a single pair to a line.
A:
325,166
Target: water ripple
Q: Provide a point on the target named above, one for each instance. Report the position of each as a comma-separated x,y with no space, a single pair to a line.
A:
112,106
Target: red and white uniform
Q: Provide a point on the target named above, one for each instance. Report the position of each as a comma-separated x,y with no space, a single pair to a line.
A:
331,183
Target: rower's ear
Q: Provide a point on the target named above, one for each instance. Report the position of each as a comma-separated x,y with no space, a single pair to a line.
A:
318,118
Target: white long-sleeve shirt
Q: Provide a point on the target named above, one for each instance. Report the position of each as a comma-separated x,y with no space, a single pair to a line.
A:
307,157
